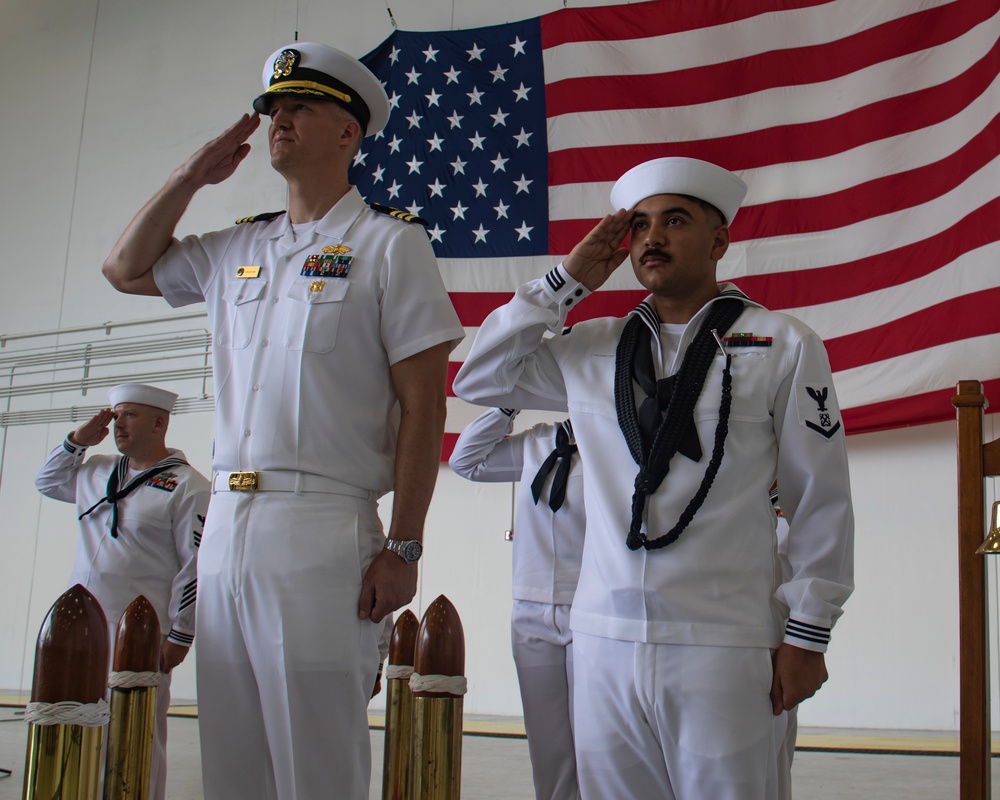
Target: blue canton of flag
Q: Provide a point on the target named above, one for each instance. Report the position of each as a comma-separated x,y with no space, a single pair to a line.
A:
465,145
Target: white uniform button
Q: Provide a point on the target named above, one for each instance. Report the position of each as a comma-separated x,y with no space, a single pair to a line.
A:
274,299
265,343
246,432
256,387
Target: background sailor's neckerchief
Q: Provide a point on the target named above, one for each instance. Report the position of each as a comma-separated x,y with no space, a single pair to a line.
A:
563,453
117,478
653,442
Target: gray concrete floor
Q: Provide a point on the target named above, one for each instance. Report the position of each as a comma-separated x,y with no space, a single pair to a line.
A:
497,769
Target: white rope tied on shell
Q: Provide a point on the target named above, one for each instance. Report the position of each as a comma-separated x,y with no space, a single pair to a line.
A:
69,712
133,680
442,684
398,672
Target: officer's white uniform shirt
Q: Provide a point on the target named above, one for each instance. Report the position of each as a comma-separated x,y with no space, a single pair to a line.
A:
302,362
719,583
548,546
159,530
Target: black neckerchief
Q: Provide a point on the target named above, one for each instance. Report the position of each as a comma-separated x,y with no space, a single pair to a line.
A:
118,475
563,453
654,457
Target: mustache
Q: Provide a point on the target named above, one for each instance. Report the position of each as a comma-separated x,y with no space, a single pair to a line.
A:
655,252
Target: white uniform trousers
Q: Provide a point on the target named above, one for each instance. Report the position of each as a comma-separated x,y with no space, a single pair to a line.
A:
285,667
542,644
786,728
673,722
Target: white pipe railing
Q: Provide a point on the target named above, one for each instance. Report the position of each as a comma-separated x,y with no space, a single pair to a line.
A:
81,366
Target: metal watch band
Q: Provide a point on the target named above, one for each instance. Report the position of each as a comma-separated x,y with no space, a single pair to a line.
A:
407,549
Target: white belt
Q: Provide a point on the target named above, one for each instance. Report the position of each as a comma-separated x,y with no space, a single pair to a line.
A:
285,481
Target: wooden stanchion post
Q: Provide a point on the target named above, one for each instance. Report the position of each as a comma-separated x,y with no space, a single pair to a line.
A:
973,627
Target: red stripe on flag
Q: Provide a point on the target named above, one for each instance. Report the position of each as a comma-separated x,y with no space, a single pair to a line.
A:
473,307
448,445
564,234
838,209
652,19
773,69
453,367
789,143
807,287
874,198
963,317
919,409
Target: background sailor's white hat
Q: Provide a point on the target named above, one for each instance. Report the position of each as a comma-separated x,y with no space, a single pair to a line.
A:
317,70
673,175
143,394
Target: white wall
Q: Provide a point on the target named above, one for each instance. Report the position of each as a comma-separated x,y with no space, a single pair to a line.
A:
101,99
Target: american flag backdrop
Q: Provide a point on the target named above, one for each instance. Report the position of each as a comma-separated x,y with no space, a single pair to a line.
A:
868,132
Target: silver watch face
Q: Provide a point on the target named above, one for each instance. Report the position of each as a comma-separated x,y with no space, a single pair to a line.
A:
410,551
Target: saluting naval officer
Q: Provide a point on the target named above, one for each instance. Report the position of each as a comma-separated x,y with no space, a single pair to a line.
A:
332,330
687,641
141,519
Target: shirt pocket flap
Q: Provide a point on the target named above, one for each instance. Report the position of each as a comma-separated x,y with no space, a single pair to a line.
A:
318,291
244,291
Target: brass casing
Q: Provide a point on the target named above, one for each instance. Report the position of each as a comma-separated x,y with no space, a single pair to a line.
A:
130,743
437,748
398,738
63,762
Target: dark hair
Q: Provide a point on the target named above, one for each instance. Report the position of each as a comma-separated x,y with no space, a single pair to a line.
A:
707,207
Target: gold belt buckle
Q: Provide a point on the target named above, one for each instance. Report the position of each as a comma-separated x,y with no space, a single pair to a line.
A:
243,481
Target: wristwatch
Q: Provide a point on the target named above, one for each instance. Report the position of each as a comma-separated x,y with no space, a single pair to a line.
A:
407,549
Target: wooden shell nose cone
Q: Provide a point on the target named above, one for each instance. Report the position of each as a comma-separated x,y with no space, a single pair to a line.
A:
137,645
71,655
440,643
403,644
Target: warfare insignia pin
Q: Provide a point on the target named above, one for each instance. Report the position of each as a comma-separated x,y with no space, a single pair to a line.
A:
284,63
336,249
317,286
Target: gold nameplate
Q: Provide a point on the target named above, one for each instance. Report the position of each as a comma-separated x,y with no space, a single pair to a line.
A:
317,286
336,249
243,481
248,272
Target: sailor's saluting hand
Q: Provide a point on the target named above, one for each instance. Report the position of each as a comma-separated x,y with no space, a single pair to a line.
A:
600,252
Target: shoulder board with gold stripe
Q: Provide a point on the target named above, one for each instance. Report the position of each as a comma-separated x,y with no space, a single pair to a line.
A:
260,217
406,216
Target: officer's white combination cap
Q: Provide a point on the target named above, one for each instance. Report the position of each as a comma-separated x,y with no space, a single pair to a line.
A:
143,394
317,70
689,176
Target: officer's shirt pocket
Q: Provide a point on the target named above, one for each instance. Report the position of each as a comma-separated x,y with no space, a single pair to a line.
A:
314,314
241,306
